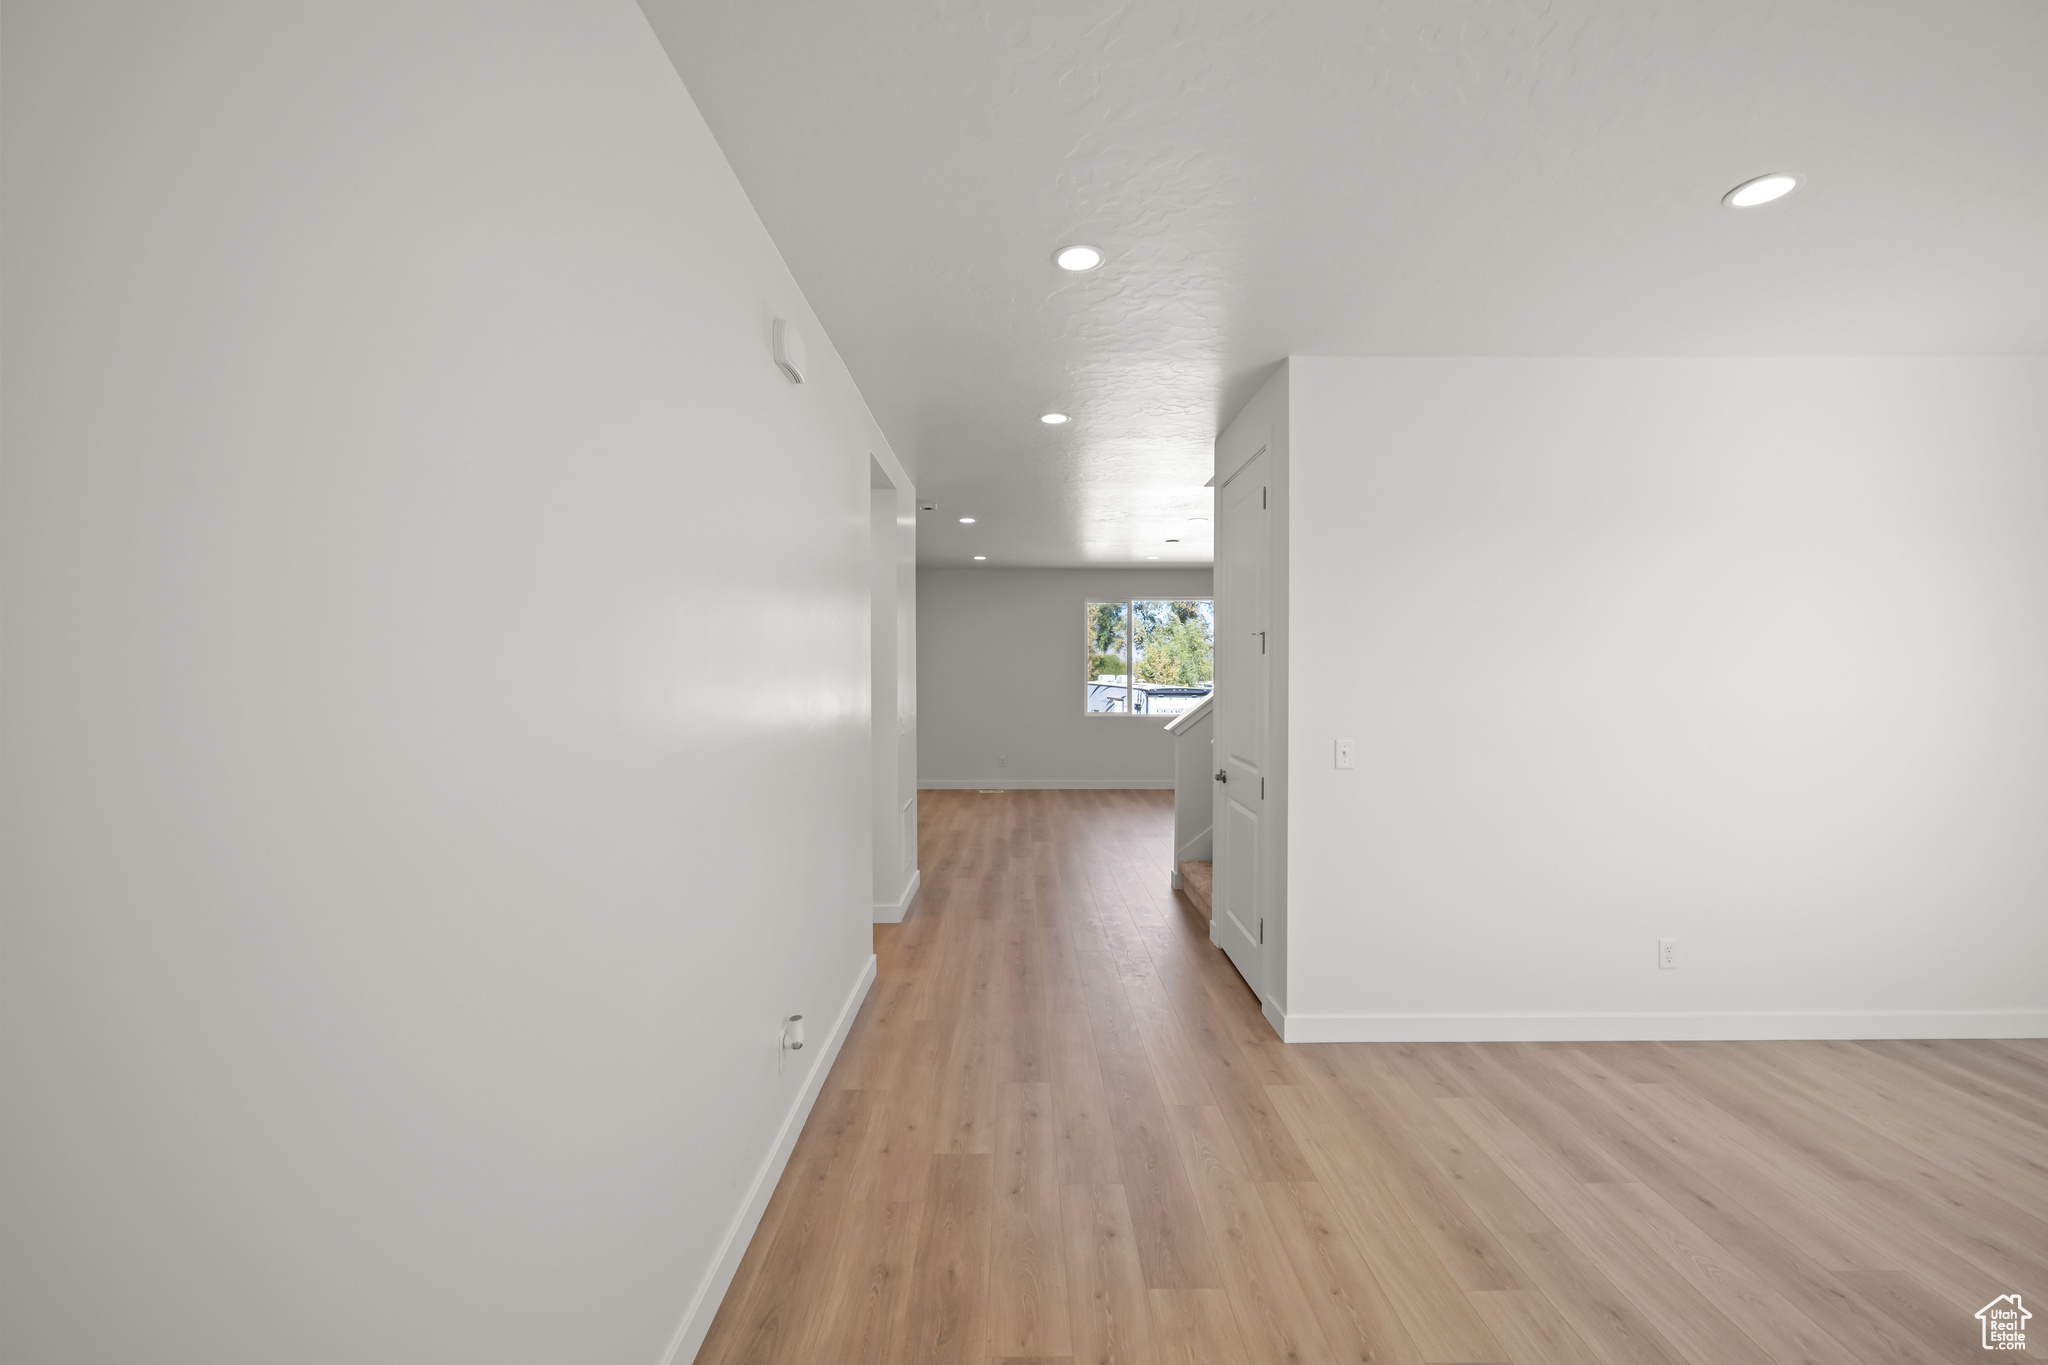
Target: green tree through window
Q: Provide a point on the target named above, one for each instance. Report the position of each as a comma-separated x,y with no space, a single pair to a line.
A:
1175,642
1108,653
1151,657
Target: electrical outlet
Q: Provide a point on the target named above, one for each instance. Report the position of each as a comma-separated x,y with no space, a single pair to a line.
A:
1667,954
1002,760
1347,753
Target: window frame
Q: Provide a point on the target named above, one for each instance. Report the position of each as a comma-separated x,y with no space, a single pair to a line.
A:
1130,608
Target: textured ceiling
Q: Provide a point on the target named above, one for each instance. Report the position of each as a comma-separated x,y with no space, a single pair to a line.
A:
1328,177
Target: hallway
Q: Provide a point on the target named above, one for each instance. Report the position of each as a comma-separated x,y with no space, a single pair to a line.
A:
1061,1130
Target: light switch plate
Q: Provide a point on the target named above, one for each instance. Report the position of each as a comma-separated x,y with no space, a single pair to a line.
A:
1347,753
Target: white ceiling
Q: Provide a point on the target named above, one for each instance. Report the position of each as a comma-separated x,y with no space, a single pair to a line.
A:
1330,177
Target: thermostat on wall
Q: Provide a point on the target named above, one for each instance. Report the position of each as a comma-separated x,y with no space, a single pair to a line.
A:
789,350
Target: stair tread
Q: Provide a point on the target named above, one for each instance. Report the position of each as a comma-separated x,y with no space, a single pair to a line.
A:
1199,880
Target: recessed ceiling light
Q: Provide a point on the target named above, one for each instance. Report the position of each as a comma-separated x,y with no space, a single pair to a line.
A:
981,556
1761,190
1197,518
1053,419
967,521
1077,258
1173,540
1151,556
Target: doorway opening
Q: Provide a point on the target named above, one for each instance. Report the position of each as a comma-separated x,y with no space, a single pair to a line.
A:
892,588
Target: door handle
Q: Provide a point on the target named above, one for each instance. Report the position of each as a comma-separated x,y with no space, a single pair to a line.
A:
1222,776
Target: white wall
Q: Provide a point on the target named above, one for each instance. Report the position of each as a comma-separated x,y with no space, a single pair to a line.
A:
999,674
436,687
1194,788
1749,653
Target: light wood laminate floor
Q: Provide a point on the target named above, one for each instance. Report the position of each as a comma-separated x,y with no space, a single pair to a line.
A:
1060,1131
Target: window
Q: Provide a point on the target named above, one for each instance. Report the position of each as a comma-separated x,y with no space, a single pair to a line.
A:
1149,658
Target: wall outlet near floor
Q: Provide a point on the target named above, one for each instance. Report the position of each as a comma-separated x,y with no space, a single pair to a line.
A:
1347,753
1667,954
1002,760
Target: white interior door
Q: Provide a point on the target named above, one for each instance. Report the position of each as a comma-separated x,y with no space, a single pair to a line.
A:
1238,925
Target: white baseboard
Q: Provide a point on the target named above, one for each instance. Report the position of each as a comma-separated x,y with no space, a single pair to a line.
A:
689,1334
1040,784
893,912
1582,1028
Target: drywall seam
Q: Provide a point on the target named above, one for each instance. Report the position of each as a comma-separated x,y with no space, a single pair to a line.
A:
1111,784
893,912
690,1332
1713,1027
